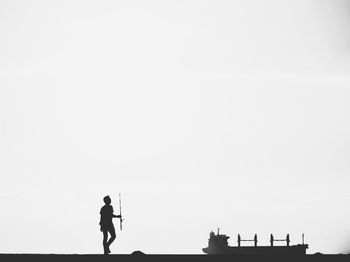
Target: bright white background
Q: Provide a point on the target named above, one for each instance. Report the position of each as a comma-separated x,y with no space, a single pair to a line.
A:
204,114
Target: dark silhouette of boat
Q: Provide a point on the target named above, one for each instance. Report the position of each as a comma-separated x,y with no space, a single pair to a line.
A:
218,244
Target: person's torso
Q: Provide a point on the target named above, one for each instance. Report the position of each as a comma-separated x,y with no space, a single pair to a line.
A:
106,214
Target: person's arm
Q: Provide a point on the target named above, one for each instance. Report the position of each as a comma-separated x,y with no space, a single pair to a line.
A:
117,216
100,221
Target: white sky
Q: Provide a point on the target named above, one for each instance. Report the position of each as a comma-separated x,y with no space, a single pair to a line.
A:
204,114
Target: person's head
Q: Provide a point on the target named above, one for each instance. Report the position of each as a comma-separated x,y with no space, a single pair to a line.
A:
107,200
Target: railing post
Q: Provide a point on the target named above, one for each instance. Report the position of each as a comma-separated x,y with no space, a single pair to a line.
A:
271,240
255,240
287,240
239,240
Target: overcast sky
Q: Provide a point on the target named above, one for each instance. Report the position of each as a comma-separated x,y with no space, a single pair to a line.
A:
203,114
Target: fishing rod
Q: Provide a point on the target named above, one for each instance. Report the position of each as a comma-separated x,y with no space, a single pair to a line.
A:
120,212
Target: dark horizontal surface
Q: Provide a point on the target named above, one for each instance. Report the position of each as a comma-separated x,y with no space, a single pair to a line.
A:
155,257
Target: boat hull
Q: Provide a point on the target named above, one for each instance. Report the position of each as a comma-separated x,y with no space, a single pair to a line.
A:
296,250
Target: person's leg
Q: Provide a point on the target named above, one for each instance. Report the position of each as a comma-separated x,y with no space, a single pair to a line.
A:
105,245
112,232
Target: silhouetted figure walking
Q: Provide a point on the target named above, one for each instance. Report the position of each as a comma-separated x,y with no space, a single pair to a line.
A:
107,224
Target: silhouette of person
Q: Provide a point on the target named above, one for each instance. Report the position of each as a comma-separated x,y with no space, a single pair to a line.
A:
106,224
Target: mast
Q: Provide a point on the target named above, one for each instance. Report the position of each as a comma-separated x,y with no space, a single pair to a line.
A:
303,238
